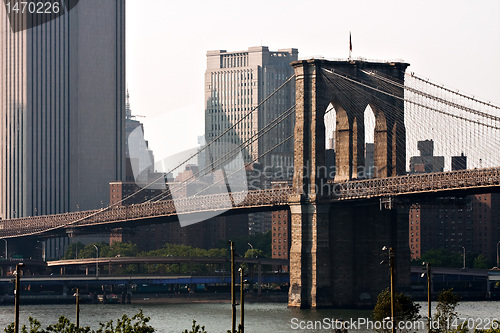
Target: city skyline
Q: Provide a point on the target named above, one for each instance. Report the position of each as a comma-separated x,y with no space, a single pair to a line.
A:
166,61
67,121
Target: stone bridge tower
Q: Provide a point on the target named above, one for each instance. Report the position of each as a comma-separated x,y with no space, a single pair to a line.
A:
328,237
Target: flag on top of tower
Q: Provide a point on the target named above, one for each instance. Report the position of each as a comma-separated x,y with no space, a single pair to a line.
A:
350,45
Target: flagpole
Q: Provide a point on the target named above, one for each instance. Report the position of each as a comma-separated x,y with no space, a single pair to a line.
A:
350,46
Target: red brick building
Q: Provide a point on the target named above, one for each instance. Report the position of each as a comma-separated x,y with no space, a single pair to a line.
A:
281,235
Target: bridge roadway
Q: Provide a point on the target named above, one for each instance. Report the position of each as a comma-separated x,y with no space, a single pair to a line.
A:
222,278
138,279
163,260
407,185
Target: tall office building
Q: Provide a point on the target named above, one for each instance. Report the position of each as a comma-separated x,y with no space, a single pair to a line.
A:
62,110
235,83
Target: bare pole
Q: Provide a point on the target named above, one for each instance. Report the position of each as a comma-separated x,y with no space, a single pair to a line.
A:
17,294
242,302
77,308
429,291
350,46
96,261
393,288
233,291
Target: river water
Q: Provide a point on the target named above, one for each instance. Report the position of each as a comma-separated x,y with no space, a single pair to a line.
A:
259,317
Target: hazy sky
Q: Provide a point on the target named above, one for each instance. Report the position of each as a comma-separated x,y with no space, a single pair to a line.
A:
455,43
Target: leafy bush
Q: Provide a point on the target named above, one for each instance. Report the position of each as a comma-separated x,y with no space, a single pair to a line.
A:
404,308
137,324
196,328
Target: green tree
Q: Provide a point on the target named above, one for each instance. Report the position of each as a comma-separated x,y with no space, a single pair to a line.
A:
89,250
64,325
137,324
404,309
261,241
445,311
174,250
480,262
119,249
254,253
72,250
196,328
442,258
495,324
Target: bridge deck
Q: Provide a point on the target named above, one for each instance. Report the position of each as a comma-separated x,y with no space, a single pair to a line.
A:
352,190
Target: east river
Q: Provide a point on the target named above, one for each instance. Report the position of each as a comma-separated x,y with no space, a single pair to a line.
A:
216,317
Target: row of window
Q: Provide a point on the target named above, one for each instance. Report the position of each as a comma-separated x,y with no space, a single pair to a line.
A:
234,60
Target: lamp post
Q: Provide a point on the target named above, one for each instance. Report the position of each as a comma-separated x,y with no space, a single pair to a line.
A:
96,261
233,290
242,301
393,287
463,248
77,295
429,290
17,292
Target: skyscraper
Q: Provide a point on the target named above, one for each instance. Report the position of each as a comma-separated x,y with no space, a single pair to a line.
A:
235,83
62,110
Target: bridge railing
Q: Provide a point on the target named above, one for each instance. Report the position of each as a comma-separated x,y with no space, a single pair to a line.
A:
39,224
379,187
417,183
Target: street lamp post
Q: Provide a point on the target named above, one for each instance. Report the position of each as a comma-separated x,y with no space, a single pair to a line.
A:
96,262
17,292
463,248
77,295
233,290
393,286
429,290
242,301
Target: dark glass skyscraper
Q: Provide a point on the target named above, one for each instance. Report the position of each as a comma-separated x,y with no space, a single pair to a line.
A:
62,110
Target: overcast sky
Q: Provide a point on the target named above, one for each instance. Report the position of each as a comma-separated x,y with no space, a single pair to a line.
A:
455,43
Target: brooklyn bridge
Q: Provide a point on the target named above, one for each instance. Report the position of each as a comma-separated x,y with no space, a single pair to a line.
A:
339,224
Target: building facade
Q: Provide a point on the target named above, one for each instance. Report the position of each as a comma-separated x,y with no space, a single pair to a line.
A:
473,225
281,233
62,110
235,84
426,162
